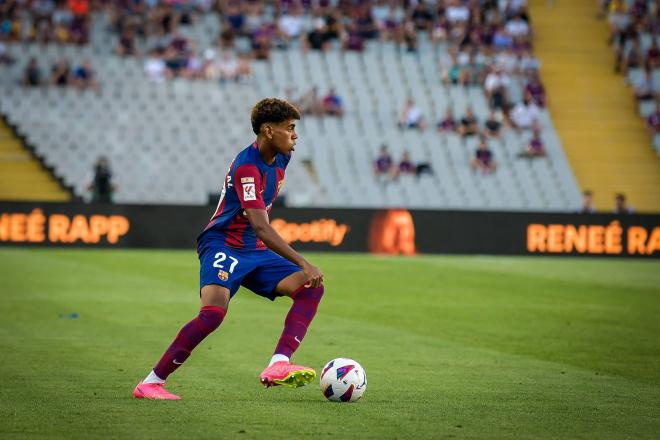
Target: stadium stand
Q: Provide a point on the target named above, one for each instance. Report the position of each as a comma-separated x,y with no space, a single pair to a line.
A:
23,178
165,140
606,143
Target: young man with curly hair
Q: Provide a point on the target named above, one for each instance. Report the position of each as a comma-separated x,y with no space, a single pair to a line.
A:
239,247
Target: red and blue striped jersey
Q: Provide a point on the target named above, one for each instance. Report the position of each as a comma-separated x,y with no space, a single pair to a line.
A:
250,183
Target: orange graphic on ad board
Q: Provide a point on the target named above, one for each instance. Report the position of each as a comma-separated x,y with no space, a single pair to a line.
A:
35,227
392,232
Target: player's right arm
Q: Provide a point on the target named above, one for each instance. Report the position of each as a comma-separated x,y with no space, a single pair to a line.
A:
247,182
259,220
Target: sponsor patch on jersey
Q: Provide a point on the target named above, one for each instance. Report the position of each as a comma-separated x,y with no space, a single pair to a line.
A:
247,179
224,276
248,192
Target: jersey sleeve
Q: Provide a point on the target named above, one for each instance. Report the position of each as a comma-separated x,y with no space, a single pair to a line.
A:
247,181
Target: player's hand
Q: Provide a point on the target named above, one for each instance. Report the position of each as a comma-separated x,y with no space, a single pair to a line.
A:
313,275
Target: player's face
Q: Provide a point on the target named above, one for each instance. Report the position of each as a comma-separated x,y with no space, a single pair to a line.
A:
284,136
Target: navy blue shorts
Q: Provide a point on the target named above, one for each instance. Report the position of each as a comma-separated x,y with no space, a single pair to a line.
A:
258,270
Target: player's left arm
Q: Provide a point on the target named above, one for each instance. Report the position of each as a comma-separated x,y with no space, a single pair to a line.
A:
259,220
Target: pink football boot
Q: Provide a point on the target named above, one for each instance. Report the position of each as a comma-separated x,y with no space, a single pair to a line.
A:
153,391
286,374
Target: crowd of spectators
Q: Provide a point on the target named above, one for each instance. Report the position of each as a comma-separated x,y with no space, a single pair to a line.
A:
634,27
61,74
621,206
387,170
489,46
311,103
486,44
45,21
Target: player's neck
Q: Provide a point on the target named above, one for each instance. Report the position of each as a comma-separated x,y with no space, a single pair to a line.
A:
266,150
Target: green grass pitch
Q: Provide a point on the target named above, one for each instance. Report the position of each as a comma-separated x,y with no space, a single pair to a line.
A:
453,347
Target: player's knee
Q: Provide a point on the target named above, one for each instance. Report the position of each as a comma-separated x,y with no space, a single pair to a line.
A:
215,295
315,293
212,316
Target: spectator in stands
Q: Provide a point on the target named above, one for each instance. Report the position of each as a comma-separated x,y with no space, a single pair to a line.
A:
468,124
42,12
456,12
290,24
618,16
406,167
228,66
633,59
155,67
365,21
332,104
653,54
262,41
84,76
621,205
473,71
411,116
483,158
227,39
317,38
535,147
535,90
127,44
507,61
587,202
102,186
421,17
495,87
193,68
79,29
448,122
518,27
5,56
643,87
208,68
391,28
32,74
62,20
334,22
501,39
409,36
450,69
60,75
175,60
493,125
352,39
244,69
311,103
440,30
524,114
234,17
653,121
253,18
10,21
383,165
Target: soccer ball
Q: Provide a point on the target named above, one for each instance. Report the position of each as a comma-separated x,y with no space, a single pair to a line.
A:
343,380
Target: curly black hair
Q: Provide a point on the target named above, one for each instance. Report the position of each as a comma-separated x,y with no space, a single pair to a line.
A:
272,110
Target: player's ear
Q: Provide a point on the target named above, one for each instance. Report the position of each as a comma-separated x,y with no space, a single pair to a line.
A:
267,131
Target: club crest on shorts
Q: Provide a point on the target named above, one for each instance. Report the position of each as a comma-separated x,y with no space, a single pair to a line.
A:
224,276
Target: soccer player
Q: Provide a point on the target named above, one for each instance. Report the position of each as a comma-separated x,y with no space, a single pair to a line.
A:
239,247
